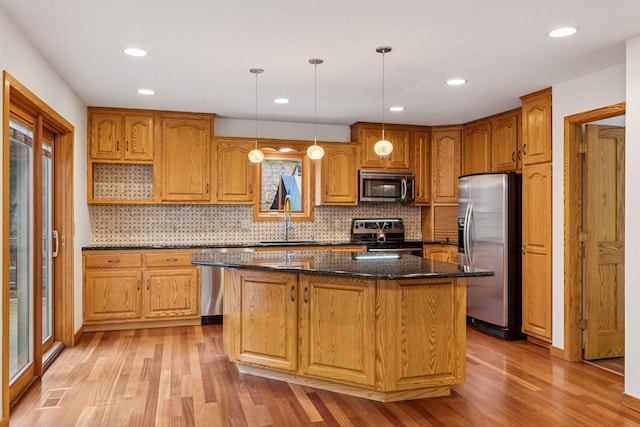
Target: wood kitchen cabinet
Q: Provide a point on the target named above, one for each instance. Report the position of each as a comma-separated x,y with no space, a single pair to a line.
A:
476,147
506,143
441,252
234,172
338,183
185,162
139,289
445,164
121,135
264,333
536,127
367,134
421,165
335,311
537,254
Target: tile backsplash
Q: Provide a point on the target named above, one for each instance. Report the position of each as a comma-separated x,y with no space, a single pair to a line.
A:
221,224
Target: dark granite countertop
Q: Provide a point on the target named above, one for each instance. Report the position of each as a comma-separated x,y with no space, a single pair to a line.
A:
203,245
335,263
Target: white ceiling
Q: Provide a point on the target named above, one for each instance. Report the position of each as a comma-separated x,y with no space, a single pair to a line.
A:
201,52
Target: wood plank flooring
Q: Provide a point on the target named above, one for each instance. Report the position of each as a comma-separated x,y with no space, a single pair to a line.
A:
181,377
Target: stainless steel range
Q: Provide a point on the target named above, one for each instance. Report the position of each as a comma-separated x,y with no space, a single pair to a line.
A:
383,235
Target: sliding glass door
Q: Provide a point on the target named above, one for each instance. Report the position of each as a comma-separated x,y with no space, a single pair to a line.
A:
49,244
21,254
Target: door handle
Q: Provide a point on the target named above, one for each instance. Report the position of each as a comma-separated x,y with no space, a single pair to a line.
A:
54,236
292,293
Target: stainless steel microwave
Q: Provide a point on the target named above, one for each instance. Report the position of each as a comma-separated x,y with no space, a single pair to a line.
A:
386,186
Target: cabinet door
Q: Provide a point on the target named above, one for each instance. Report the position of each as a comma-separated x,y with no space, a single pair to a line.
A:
476,148
105,137
504,143
445,165
437,252
264,304
536,128
171,292
536,242
138,137
368,158
338,175
333,312
235,174
112,294
186,163
422,167
399,157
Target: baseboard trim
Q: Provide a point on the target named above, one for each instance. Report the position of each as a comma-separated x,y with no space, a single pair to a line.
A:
631,402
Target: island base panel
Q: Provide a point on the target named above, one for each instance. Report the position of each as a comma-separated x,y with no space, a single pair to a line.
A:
351,390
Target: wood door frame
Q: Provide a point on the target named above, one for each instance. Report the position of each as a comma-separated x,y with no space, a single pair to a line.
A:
573,224
16,93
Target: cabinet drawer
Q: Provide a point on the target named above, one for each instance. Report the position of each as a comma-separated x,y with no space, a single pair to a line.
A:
169,259
113,260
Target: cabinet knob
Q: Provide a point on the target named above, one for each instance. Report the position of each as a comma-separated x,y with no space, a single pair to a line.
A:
524,149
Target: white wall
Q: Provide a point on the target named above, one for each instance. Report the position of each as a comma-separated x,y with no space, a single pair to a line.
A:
27,65
281,130
596,90
632,234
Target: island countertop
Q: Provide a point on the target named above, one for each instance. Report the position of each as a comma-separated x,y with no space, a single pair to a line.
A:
379,266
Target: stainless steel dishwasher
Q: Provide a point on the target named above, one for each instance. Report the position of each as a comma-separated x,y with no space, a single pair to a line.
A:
212,287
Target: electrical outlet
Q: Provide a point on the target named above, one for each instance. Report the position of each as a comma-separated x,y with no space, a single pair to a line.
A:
336,224
245,224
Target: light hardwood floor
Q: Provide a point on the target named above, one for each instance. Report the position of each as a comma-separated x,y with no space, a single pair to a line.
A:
181,377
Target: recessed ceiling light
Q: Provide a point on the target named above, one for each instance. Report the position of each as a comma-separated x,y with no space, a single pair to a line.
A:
562,32
134,51
396,108
456,82
281,101
146,91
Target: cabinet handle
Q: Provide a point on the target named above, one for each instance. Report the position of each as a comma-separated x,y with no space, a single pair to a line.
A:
304,295
326,189
292,293
138,284
117,145
513,156
147,284
250,188
126,146
524,252
114,261
519,155
207,188
171,259
524,149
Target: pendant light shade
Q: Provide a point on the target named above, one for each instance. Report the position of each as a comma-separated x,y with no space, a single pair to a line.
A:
256,155
383,147
315,152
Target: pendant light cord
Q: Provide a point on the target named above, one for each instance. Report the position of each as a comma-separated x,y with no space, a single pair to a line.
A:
257,110
383,53
315,103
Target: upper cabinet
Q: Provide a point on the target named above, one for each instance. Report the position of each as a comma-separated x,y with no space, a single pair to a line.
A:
146,156
445,164
186,158
476,147
421,165
506,143
536,127
338,177
367,134
235,174
121,136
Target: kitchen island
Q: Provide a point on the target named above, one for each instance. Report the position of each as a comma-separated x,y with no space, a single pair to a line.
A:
372,326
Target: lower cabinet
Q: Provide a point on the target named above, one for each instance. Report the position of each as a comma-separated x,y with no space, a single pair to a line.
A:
337,327
440,252
130,289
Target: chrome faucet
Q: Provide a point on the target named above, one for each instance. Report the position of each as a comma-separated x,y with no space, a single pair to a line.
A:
287,217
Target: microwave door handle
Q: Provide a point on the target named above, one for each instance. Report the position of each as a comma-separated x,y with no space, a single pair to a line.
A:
404,189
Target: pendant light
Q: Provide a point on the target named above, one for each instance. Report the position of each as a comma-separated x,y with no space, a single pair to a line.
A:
256,155
315,152
383,147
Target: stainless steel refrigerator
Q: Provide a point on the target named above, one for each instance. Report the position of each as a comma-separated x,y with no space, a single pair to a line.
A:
489,236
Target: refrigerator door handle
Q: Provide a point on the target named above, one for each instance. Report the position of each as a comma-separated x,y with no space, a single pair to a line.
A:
467,234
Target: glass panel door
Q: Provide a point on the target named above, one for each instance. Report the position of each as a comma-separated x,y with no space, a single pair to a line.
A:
49,245
21,230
